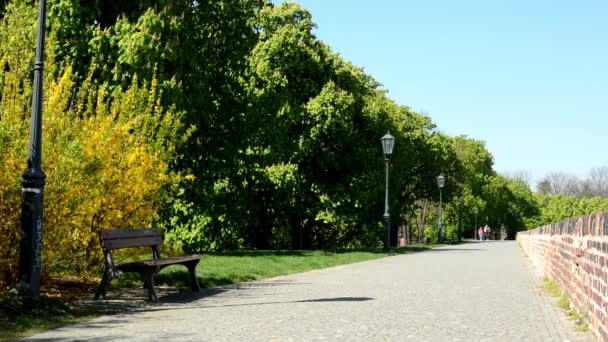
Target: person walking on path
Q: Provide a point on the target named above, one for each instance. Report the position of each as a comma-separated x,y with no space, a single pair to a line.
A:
480,233
486,232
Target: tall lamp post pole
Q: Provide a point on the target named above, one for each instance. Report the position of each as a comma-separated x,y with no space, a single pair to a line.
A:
33,180
440,183
461,202
476,211
388,142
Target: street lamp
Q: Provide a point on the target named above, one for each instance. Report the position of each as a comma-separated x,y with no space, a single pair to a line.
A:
461,202
476,211
388,142
440,183
33,180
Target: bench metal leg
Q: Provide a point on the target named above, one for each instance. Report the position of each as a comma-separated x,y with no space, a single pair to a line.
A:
192,270
149,284
103,285
144,276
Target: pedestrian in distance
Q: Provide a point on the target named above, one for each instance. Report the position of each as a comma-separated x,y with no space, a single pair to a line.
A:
486,232
480,233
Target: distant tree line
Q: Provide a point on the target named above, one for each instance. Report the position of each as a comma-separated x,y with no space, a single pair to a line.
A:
560,196
560,183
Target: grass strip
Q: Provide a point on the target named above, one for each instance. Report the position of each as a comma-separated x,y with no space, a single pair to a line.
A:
227,268
223,268
553,290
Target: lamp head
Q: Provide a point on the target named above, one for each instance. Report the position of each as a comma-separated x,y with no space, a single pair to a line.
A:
388,142
441,181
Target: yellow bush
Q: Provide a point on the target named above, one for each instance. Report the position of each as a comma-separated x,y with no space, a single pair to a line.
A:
105,161
101,173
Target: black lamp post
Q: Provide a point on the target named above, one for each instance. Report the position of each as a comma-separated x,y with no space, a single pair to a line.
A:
440,183
460,202
388,142
33,180
476,211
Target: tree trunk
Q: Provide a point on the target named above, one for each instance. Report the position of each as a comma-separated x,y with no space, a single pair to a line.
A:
407,226
425,203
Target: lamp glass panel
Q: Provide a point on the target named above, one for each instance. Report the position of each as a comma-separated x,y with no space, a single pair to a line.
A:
441,181
388,142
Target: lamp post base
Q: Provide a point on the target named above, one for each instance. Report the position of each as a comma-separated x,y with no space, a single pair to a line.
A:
31,229
387,230
440,234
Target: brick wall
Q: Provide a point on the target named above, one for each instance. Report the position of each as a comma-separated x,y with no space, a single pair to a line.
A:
574,253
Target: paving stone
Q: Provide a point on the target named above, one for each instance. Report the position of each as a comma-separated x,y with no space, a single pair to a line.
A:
478,291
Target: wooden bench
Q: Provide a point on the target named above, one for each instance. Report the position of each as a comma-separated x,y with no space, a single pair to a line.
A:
130,238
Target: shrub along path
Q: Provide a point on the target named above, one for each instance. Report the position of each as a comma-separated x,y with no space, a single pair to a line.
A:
482,291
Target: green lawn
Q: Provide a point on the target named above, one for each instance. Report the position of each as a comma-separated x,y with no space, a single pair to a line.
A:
233,267
19,319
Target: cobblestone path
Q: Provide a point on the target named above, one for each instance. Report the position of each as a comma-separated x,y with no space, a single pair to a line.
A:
478,291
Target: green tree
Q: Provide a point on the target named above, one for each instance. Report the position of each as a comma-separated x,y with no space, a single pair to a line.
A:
509,202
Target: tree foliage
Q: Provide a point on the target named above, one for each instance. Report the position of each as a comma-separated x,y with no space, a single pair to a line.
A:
555,208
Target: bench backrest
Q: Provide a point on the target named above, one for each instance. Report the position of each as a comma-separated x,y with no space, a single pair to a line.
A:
125,238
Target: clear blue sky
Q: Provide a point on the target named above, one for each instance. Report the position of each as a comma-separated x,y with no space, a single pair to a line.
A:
530,78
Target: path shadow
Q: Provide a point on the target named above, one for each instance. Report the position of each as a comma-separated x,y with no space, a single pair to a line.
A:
337,299
136,297
176,276
66,339
120,319
127,299
114,337
210,306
